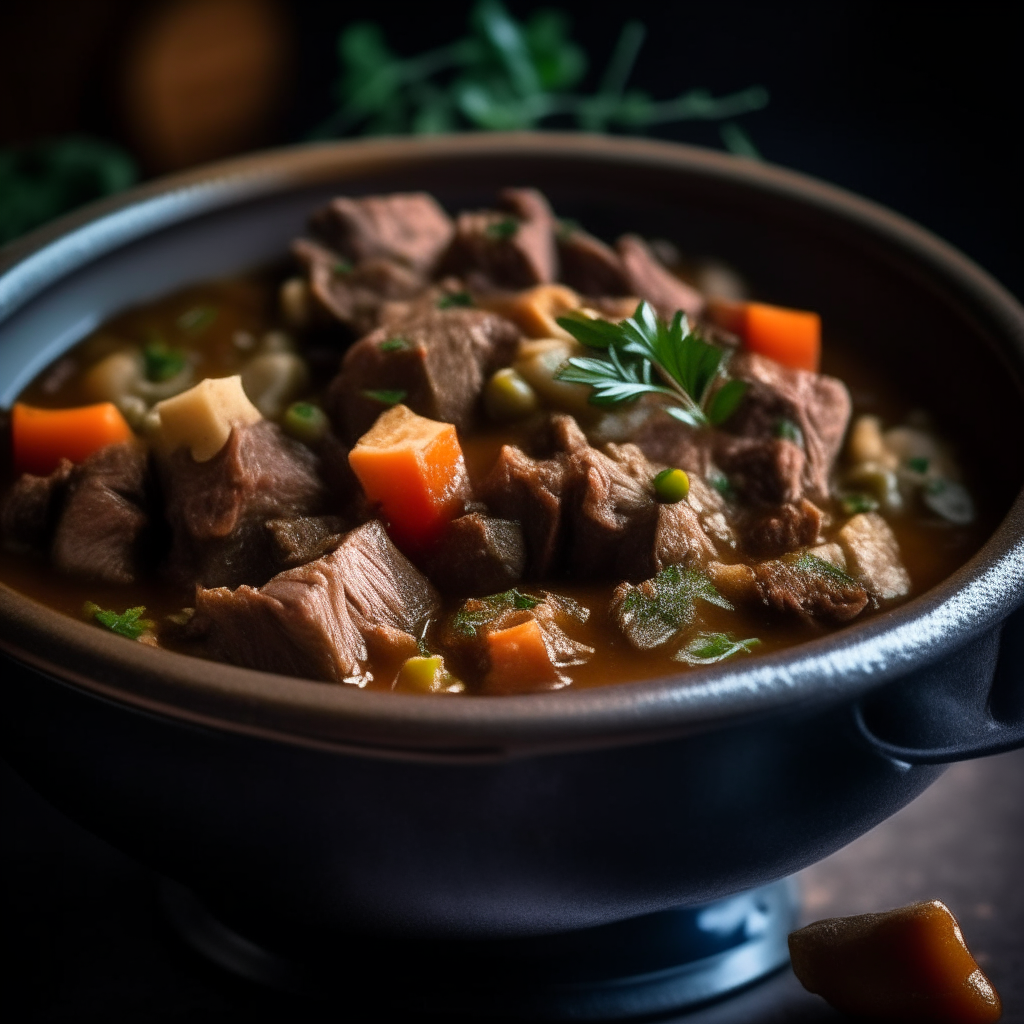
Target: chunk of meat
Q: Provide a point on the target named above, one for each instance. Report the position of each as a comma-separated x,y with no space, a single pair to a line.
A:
303,539
908,964
646,277
763,471
665,440
777,531
104,525
325,619
406,227
614,524
529,491
479,637
817,404
511,248
807,587
31,508
356,296
873,556
477,554
217,509
439,363
590,266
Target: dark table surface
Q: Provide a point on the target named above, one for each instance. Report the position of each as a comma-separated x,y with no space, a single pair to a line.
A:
90,944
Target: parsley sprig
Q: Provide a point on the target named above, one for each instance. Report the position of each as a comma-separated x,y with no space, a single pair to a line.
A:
129,623
644,355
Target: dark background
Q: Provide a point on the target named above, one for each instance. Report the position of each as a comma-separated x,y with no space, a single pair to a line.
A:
915,106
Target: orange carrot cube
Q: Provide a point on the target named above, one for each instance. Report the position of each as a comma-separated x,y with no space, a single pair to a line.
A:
413,469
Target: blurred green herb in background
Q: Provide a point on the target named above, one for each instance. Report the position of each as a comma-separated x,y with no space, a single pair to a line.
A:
507,75
42,181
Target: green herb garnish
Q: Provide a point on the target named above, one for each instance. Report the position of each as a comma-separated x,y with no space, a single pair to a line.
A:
454,299
710,648
197,319
671,485
853,504
652,613
394,345
721,483
503,230
386,396
342,267
479,611
505,74
128,623
823,569
918,464
787,430
642,350
163,362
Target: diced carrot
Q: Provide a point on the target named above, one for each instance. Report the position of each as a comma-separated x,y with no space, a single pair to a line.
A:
519,659
413,469
791,337
42,437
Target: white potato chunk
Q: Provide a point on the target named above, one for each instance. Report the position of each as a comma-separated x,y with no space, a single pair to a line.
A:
113,377
866,443
202,418
873,556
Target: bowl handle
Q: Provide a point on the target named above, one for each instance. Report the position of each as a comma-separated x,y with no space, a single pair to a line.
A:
970,704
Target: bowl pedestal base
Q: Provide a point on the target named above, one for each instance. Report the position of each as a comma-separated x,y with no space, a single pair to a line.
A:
653,964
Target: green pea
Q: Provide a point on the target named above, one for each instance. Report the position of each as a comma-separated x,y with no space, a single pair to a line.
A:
671,485
305,422
508,397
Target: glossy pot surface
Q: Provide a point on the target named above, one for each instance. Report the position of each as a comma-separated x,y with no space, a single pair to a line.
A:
288,803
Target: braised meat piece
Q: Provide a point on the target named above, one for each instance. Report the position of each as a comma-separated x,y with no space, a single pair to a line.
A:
529,491
31,508
104,525
762,470
648,279
354,296
768,533
517,642
303,539
477,554
217,509
873,556
438,363
780,398
324,620
808,587
590,266
406,227
510,248
594,509
614,524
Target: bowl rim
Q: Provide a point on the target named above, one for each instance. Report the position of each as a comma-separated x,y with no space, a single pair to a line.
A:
838,667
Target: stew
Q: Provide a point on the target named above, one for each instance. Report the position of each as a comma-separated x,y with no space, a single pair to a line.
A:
488,454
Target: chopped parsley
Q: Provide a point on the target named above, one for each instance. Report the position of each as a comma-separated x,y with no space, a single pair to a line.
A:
386,396
823,570
652,613
479,611
397,344
129,623
852,504
342,267
721,483
162,362
197,319
918,464
787,430
503,230
644,355
452,300
711,648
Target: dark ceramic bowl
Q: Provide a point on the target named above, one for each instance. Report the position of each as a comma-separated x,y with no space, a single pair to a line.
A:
327,808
